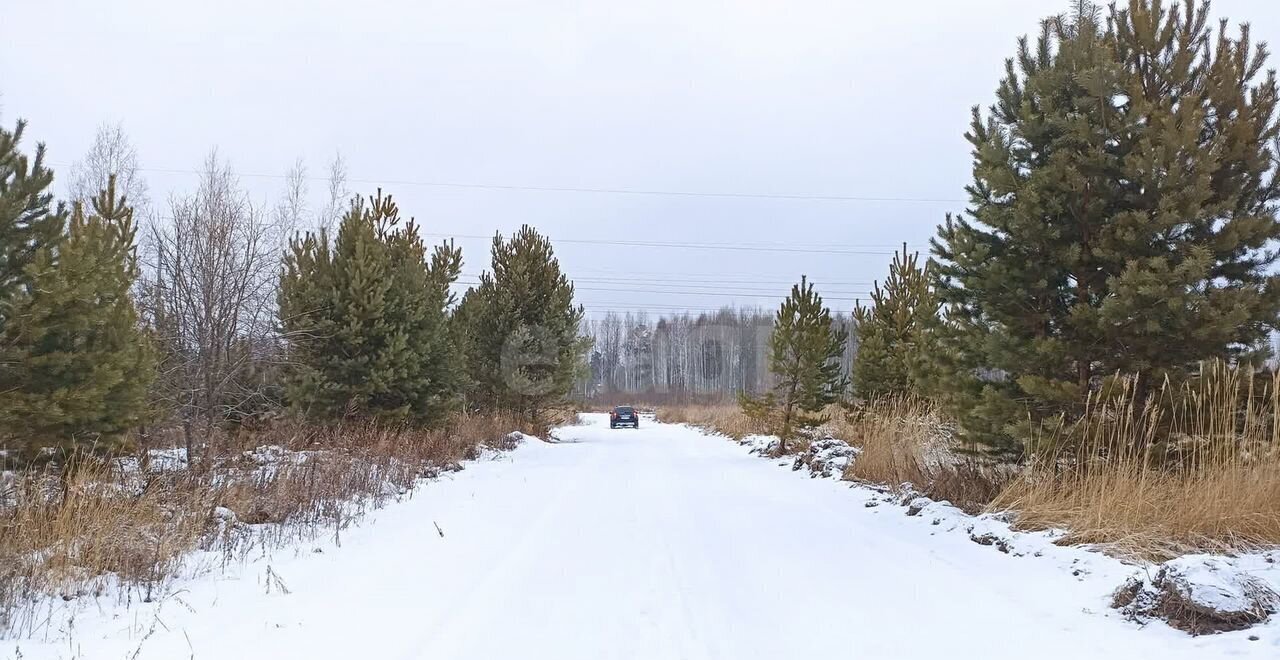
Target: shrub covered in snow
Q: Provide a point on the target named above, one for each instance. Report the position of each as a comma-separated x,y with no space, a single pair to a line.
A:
826,457
1203,593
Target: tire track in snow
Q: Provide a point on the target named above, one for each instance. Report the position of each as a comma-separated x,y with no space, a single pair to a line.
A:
443,637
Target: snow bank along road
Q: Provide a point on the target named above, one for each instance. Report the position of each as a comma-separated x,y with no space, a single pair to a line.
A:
658,543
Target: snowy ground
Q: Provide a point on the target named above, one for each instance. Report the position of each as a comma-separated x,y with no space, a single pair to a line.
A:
653,544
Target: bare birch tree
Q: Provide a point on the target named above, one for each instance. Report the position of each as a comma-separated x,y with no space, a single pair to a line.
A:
211,302
112,153
291,211
339,196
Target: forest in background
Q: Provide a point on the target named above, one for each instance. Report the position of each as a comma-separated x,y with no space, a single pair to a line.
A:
682,358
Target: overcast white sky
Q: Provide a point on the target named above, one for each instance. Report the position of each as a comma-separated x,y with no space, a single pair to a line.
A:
794,97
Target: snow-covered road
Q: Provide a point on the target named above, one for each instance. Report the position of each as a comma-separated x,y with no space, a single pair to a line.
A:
653,544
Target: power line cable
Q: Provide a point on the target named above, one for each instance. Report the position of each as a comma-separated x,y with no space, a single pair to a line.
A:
692,245
581,189
684,245
777,296
698,289
666,312
661,281
722,274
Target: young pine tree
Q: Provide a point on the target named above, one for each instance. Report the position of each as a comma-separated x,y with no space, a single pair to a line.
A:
1124,193
29,220
804,357
895,330
523,348
77,367
365,319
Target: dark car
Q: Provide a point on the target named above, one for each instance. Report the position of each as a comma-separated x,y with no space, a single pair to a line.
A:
624,416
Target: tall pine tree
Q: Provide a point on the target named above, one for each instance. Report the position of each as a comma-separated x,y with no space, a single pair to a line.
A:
804,356
523,347
365,319
75,366
895,330
1122,207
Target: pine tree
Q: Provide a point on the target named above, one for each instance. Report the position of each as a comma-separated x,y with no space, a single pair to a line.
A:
29,220
1123,198
894,331
366,319
804,356
308,322
523,347
437,345
77,367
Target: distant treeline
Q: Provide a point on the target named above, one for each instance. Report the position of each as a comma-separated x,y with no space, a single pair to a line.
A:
682,357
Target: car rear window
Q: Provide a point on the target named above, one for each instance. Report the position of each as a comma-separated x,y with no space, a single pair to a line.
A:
624,410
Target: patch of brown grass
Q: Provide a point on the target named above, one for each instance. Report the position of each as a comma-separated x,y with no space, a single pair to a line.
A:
903,440
113,527
57,535
555,418
726,418
906,440
1197,469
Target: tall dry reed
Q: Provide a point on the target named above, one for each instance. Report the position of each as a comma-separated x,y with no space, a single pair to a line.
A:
905,440
1195,468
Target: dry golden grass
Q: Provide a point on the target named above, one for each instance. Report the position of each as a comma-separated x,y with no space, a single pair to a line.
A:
1197,469
906,440
726,418
1151,513
555,418
901,439
111,526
